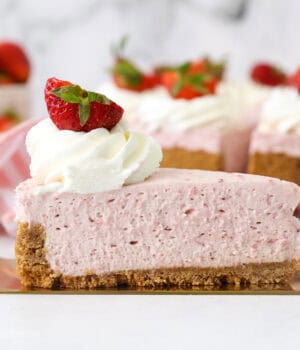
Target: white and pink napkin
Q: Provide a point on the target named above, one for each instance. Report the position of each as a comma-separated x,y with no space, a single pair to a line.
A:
14,168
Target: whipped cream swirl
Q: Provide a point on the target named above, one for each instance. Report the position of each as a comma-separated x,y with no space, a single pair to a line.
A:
160,111
281,112
89,162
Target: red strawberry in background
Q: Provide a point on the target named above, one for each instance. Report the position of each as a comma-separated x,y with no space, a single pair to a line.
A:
206,65
294,80
177,88
72,108
127,76
8,119
5,123
190,80
268,74
5,79
14,62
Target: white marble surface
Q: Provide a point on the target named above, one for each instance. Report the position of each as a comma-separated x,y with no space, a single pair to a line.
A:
71,39
149,322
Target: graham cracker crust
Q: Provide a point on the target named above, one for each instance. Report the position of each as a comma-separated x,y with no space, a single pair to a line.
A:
34,271
277,165
181,158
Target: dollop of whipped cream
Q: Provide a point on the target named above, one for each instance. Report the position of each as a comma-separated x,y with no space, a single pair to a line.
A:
281,112
89,162
157,110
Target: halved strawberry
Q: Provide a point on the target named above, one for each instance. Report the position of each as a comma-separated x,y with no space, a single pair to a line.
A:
268,74
72,108
294,80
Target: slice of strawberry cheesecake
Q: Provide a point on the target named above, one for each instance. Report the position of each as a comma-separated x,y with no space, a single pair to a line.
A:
97,212
177,105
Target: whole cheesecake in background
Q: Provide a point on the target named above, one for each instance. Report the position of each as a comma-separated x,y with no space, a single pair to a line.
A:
217,127
98,213
211,132
196,127
201,121
275,145
202,133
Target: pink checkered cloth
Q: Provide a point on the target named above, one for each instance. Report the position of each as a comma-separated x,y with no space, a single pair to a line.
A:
14,168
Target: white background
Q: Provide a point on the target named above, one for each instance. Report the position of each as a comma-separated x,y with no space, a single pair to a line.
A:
149,322
71,38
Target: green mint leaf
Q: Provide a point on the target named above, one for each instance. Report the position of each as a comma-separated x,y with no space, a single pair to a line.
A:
198,82
123,42
165,68
118,48
128,72
183,69
11,114
177,87
95,97
75,94
201,88
69,93
197,79
215,68
84,112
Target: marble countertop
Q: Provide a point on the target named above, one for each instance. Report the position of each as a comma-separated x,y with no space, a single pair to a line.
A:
149,322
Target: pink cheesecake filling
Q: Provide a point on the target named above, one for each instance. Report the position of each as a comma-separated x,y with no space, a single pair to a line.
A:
235,149
288,144
177,218
199,139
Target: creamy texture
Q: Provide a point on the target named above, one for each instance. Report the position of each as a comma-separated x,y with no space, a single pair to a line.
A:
89,162
281,112
245,98
275,143
176,218
278,131
156,110
160,111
